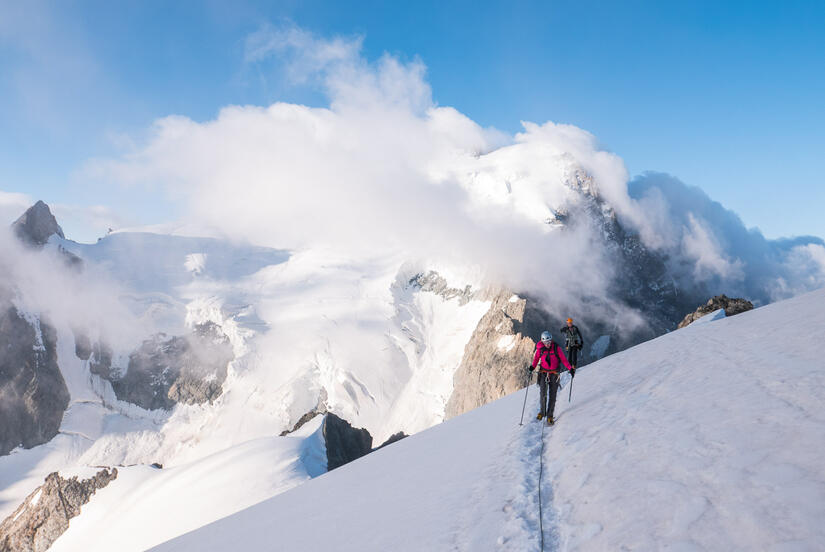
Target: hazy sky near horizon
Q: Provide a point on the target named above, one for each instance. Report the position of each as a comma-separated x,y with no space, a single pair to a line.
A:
726,96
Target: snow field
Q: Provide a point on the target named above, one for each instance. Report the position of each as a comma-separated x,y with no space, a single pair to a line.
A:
303,326
145,506
455,486
707,438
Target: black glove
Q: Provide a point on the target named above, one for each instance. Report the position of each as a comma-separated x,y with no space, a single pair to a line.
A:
531,368
573,372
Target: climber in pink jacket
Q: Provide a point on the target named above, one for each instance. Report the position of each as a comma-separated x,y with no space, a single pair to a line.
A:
547,359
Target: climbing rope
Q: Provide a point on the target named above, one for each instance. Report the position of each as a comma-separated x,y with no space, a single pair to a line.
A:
541,469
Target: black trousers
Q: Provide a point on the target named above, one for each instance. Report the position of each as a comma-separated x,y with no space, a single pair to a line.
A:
548,400
572,356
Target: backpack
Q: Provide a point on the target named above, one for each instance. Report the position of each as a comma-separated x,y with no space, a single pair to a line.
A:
573,337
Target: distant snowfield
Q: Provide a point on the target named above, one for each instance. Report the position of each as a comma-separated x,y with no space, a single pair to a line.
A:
305,326
707,438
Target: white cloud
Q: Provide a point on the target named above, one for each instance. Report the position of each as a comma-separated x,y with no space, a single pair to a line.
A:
42,283
384,169
88,220
307,55
700,245
806,264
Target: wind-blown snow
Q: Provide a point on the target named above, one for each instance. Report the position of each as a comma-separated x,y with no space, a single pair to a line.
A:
706,438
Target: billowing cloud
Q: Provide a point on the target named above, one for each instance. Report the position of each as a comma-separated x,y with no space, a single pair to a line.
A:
700,245
710,244
383,169
44,283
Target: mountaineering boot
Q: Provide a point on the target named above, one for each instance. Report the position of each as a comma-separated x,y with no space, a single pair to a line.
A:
550,420
540,416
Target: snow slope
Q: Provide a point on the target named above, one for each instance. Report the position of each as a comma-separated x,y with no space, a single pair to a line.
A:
707,438
306,327
145,506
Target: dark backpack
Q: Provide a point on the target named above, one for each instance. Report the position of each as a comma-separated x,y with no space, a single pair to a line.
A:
573,337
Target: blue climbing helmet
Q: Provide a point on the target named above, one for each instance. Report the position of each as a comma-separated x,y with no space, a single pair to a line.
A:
546,338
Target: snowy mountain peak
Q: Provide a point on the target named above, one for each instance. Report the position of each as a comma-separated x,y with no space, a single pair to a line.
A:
37,225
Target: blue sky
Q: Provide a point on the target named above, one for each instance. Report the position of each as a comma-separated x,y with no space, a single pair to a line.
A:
724,96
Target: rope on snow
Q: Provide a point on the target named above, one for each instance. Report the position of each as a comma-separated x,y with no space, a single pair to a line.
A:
541,471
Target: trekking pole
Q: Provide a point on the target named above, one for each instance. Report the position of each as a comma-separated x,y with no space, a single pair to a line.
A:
570,391
526,389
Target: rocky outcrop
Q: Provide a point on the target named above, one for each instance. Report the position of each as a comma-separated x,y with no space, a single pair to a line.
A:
344,443
82,346
165,371
731,306
45,513
302,420
33,394
433,282
497,354
37,225
394,438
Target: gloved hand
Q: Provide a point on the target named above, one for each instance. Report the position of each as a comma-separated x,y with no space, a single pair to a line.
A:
531,368
573,372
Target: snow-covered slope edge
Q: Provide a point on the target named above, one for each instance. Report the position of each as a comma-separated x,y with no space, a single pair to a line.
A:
706,438
148,505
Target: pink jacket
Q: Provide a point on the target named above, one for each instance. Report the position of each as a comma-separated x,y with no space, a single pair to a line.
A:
549,362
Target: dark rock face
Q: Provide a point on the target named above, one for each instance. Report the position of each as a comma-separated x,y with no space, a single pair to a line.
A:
732,306
344,443
642,280
100,359
33,394
82,346
165,371
494,359
45,513
36,225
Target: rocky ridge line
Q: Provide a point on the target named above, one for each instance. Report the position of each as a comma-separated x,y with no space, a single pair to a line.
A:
45,514
36,225
732,306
